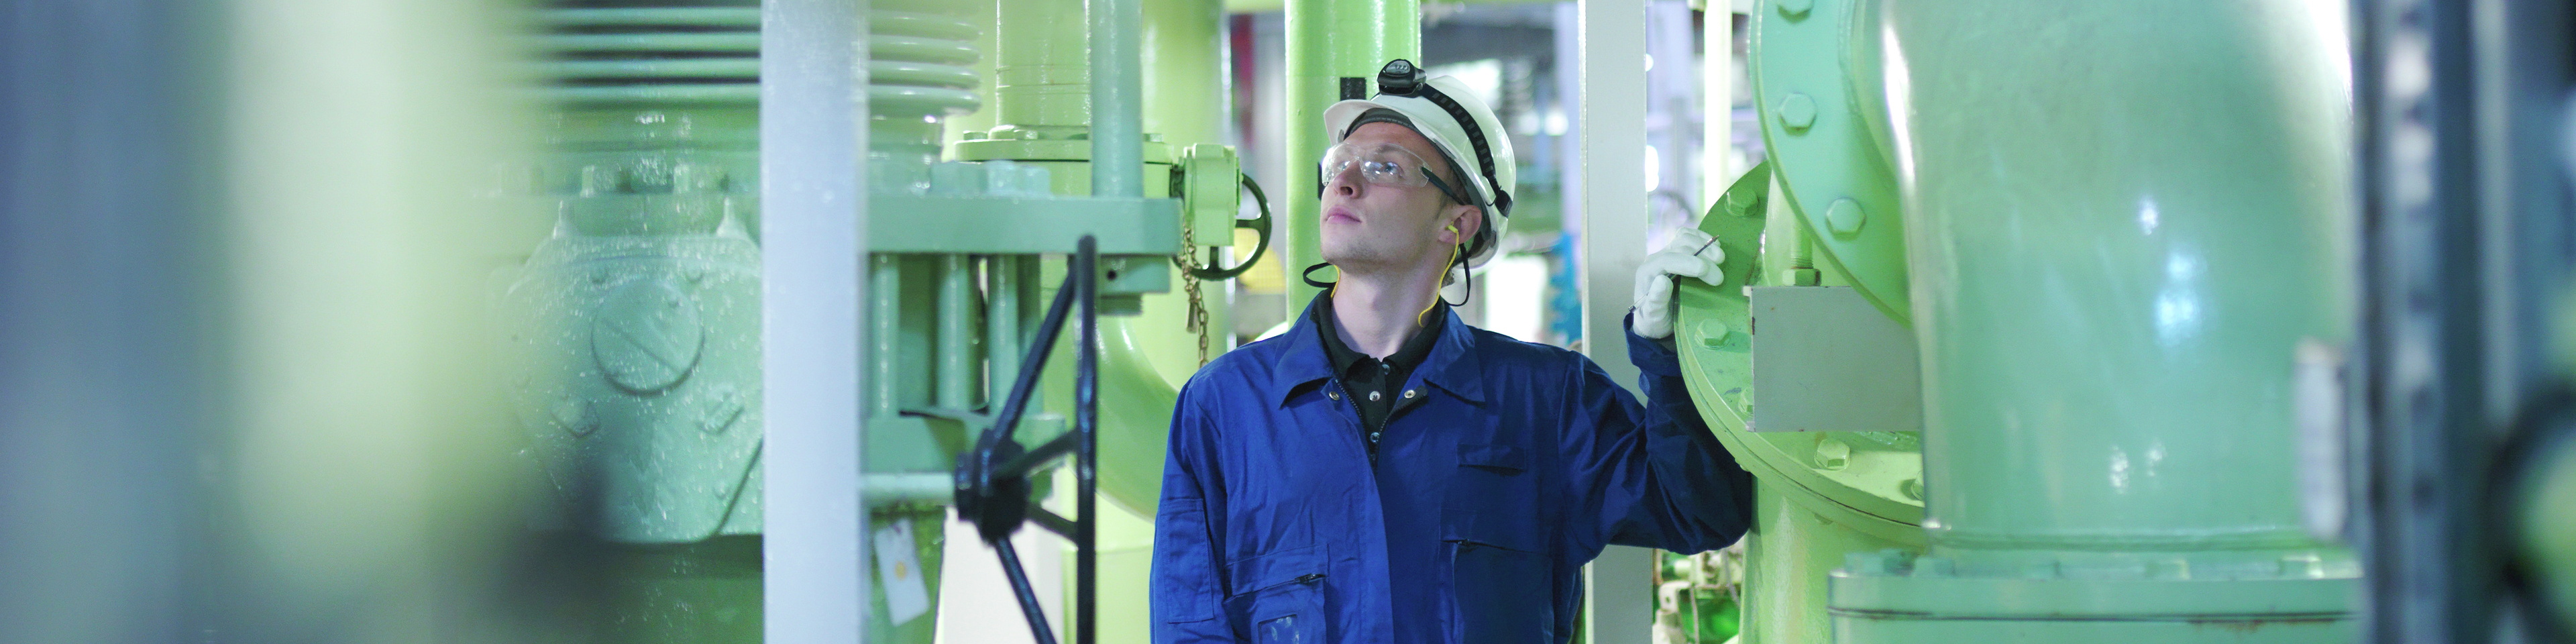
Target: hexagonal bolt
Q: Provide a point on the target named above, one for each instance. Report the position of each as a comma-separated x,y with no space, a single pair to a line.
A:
1804,277
1795,8
572,415
1911,488
1797,112
693,177
598,180
1714,334
1845,216
721,414
1832,455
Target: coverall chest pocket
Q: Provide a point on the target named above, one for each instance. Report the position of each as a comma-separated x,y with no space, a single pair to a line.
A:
1278,598
1494,531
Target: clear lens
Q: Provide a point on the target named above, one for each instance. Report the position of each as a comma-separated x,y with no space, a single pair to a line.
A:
1382,164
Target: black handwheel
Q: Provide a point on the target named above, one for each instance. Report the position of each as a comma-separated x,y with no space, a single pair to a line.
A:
1260,225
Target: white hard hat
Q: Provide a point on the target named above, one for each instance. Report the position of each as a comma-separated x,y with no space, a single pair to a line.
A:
1465,130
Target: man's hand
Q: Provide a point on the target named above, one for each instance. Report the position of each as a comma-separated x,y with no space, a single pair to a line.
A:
1692,253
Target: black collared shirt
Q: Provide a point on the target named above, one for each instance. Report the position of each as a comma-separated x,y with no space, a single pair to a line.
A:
1376,387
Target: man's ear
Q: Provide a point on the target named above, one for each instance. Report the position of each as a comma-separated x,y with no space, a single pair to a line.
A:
1468,219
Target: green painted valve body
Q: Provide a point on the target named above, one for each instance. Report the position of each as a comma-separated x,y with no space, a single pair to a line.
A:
637,315
2108,225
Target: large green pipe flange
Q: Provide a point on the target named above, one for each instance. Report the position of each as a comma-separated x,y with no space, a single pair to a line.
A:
1870,481
1816,83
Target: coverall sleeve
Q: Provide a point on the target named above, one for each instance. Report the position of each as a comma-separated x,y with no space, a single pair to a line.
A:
1187,580
1653,474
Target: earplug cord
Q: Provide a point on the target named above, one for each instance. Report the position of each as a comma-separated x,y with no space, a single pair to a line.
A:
1436,284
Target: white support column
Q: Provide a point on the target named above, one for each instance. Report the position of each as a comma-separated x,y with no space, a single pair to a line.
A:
1610,164
1611,161
813,201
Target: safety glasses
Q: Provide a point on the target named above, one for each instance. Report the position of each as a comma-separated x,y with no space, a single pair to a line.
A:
1384,164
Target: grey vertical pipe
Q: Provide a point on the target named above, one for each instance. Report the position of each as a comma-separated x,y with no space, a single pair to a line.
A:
815,588
960,362
1117,99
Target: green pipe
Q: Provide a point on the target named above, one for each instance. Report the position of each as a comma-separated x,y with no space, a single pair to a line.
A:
1135,412
885,299
1117,95
1044,74
1187,89
1787,556
1002,344
1186,101
1329,40
960,362
2119,263
2122,220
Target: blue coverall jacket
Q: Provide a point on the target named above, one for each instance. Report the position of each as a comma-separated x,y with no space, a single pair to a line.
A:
1473,524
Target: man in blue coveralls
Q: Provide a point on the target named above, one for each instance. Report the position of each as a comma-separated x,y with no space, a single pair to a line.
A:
1383,472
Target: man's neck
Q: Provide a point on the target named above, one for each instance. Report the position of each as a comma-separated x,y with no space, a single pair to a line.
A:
1376,312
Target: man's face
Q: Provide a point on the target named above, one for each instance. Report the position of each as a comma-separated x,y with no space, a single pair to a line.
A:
1370,226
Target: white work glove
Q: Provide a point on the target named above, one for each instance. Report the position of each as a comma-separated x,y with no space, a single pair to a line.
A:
1691,253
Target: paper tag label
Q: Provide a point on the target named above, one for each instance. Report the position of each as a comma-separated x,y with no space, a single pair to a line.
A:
899,578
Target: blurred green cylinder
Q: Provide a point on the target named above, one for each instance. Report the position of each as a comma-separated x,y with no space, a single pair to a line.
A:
2122,219
1329,40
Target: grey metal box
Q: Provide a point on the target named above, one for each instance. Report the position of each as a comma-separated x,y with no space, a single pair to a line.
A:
1825,359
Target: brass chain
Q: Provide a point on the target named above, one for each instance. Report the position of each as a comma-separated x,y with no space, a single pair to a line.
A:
1198,316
